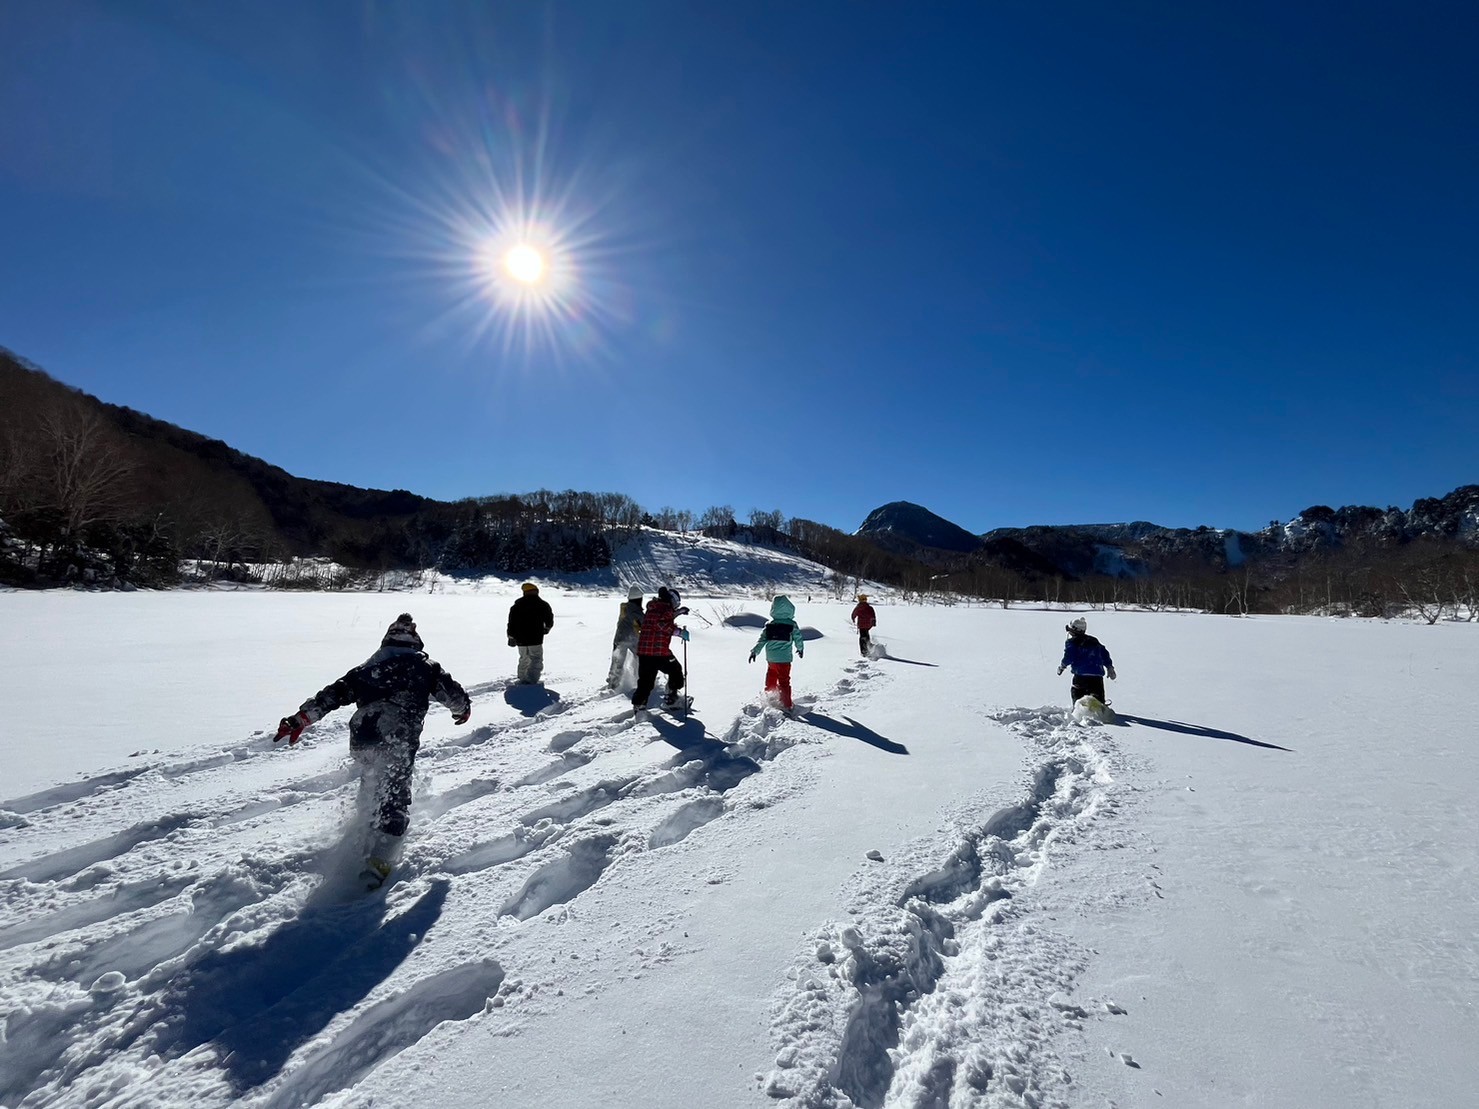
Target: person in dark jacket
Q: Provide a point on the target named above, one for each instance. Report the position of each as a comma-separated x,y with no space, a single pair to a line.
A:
392,690
529,620
653,651
866,620
1088,659
628,631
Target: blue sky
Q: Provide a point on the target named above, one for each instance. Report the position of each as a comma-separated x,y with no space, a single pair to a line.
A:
1019,263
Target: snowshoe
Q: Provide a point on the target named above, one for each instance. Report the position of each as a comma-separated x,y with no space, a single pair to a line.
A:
375,873
1088,709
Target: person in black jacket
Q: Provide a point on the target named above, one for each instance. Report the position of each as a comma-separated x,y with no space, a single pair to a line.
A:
392,690
529,620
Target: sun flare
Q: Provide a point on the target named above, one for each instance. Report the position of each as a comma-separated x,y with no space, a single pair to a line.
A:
536,256
525,264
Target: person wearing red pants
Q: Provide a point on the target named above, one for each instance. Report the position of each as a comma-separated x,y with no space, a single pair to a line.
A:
778,638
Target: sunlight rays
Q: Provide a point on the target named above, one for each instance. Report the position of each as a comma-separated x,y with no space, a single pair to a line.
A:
512,236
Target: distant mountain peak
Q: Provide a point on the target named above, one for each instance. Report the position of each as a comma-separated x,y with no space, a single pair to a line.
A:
902,523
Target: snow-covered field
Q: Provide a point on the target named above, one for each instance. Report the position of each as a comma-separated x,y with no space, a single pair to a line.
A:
1260,889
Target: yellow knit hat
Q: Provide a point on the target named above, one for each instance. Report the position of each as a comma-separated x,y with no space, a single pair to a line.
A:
529,587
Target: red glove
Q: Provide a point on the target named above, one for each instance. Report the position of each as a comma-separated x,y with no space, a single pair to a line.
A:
292,727
461,717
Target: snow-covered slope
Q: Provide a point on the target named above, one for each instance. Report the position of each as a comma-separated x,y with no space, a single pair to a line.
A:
698,564
929,889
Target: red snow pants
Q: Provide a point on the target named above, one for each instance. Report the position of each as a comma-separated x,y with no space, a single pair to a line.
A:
778,677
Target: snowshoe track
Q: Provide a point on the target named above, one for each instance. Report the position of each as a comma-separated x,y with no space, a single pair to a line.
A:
233,971
950,991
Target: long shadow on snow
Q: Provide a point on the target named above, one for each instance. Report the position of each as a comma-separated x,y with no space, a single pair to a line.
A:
258,1004
530,700
886,657
722,771
853,730
1198,730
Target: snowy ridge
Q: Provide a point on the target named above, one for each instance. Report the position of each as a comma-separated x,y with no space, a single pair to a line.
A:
949,991
199,951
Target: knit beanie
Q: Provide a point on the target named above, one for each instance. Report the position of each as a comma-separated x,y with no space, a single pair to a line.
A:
634,593
529,587
402,633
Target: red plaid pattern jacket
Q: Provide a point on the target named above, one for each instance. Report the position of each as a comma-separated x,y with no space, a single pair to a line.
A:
657,629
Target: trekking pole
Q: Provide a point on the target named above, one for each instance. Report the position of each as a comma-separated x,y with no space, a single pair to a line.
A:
687,697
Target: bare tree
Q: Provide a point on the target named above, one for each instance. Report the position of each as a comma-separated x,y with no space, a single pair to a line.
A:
717,516
85,468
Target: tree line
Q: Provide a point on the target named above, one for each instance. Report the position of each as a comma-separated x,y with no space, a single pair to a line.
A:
97,494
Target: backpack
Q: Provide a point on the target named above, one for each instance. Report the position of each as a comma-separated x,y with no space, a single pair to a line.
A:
778,631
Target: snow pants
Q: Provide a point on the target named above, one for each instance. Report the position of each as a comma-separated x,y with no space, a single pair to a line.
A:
864,641
648,667
619,654
385,782
531,662
1088,683
778,679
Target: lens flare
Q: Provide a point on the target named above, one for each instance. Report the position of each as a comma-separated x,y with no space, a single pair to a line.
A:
525,264
526,245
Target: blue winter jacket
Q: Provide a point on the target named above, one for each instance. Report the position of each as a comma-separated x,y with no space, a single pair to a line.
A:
1085,655
778,635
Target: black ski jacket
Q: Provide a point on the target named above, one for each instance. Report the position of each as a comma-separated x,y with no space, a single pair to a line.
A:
393,689
530,620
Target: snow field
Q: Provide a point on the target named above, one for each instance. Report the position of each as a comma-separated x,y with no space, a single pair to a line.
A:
922,891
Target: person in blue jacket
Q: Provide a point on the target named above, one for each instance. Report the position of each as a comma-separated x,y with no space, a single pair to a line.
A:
1088,659
777,638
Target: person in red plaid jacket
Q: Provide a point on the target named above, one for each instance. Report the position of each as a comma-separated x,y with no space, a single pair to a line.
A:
653,652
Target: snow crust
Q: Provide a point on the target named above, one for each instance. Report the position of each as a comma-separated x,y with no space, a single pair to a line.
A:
929,888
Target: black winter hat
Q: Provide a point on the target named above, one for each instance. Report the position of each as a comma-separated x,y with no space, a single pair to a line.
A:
402,633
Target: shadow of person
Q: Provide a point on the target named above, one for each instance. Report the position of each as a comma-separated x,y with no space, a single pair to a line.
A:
687,734
884,656
722,771
1197,730
853,730
260,1003
530,700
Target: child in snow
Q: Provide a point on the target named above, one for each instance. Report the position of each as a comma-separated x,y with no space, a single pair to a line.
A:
529,620
392,690
778,637
1088,658
628,631
653,652
866,620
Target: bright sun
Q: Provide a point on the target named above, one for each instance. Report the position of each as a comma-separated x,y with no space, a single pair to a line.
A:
524,264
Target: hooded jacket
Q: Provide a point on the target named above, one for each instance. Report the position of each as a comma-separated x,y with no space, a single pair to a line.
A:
1085,655
781,634
657,629
393,689
864,616
628,624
